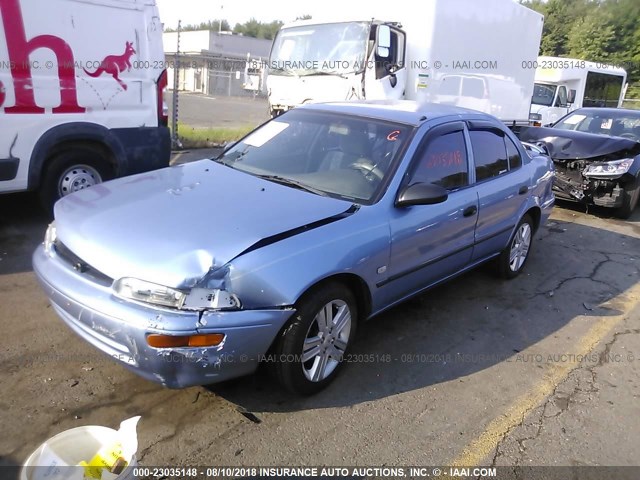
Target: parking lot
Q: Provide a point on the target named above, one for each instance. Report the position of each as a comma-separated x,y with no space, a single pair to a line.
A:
203,111
541,370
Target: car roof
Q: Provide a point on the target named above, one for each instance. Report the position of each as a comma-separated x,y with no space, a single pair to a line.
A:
608,111
401,111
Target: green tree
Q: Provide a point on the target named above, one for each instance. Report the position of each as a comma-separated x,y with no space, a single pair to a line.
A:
593,30
624,48
250,28
539,6
254,28
591,38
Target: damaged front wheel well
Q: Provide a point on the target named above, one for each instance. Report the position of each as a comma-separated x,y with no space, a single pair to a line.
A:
359,288
354,283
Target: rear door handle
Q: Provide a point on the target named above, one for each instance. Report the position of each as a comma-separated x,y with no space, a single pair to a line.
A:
467,212
523,189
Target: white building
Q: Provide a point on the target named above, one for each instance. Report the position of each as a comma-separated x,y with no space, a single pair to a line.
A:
217,63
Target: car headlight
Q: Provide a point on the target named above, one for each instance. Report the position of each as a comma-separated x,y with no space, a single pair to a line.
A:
50,237
608,169
535,117
194,299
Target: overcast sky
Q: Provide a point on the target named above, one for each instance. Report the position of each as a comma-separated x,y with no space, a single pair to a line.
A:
239,11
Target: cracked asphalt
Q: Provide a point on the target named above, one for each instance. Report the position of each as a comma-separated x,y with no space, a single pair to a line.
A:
541,370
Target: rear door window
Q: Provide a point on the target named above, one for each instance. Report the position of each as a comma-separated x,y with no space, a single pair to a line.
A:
489,153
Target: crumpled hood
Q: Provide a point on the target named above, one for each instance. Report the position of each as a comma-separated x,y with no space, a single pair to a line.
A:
572,145
171,226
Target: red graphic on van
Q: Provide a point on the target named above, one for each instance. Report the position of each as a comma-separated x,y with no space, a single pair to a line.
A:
20,48
115,64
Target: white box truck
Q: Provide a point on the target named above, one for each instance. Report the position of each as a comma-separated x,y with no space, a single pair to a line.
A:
467,53
565,84
81,93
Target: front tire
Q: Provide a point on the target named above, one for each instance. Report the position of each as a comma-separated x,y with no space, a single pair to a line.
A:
514,257
310,350
632,192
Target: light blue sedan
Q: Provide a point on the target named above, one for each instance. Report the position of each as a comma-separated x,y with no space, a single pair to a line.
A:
280,248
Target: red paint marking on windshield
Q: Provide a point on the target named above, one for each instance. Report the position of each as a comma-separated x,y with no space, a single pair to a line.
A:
393,136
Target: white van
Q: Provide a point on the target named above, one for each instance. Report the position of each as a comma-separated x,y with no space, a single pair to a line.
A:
566,84
81,93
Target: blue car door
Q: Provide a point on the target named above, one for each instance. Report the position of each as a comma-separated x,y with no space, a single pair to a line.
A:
432,242
502,184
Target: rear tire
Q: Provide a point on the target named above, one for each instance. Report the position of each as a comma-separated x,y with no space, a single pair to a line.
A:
514,257
632,192
71,171
310,349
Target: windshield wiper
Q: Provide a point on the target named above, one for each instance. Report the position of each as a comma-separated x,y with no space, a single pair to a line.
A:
226,160
292,183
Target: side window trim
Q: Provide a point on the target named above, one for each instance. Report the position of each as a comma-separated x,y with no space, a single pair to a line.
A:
485,125
471,159
511,169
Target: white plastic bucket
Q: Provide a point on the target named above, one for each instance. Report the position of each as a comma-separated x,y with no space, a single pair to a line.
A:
70,448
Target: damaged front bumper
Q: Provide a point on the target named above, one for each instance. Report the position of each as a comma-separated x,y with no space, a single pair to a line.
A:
119,329
590,168
604,193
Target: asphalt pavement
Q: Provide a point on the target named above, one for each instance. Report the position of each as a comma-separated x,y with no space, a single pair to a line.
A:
541,370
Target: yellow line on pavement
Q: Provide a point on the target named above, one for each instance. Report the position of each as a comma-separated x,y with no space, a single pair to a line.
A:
489,439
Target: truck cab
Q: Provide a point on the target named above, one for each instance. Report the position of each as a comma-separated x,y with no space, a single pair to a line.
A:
314,61
564,84
550,102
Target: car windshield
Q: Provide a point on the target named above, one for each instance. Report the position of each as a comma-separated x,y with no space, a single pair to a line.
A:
614,124
347,157
543,94
327,49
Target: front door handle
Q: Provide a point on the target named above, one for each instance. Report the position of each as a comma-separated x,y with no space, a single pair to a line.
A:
467,212
523,189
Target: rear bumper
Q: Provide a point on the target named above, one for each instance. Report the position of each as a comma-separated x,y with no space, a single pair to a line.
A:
119,329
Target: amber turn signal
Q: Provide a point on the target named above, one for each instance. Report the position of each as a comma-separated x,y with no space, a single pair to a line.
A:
172,341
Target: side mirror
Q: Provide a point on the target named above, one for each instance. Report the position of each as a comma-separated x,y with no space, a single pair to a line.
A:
421,194
571,97
393,80
383,41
